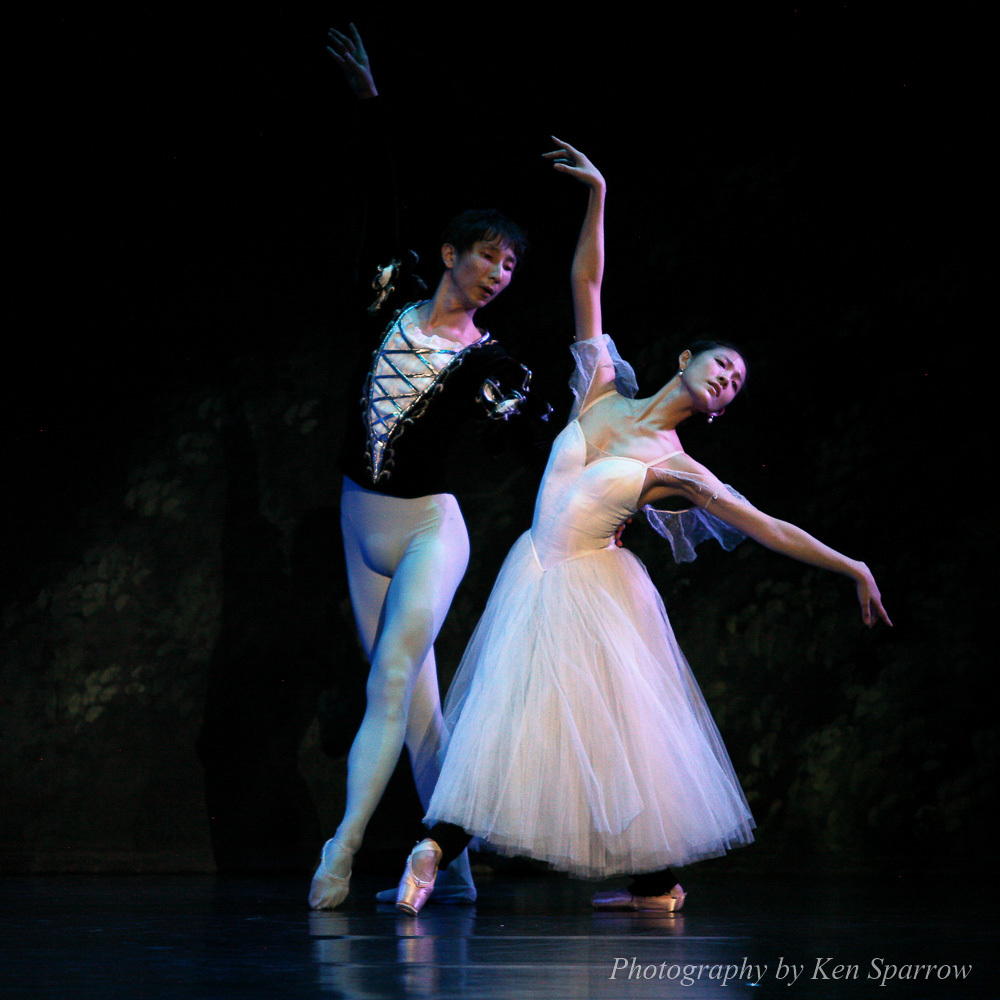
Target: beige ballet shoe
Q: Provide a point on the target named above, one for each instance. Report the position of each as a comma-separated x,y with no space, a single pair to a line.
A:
328,890
417,882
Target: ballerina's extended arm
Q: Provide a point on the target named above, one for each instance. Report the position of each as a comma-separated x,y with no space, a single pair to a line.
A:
588,260
705,489
587,272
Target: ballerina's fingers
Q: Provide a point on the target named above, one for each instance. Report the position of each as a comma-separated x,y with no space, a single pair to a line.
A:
569,160
567,148
559,157
871,601
881,612
567,155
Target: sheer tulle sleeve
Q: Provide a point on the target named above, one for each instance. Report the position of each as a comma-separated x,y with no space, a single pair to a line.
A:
686,529
590,356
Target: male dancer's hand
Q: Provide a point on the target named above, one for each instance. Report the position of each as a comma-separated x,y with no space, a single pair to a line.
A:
350,55
621,531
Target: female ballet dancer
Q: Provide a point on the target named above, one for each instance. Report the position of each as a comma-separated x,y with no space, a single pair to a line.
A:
406,544
580,736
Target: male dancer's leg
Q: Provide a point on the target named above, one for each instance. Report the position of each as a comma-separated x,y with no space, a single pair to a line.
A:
424,723
421,548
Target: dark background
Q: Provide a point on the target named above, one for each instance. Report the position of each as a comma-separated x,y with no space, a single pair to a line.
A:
809,181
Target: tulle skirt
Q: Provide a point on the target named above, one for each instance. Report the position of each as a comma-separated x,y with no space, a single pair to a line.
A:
579,735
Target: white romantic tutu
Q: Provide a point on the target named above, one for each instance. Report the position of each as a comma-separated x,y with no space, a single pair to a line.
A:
582,738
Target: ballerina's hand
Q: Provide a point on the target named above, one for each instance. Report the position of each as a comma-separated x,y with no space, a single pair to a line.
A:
568,160
870,599
350,55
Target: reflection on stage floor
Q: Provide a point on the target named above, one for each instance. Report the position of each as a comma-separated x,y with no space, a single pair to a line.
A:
150,937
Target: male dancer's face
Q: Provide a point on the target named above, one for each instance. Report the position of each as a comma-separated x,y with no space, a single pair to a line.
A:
480,273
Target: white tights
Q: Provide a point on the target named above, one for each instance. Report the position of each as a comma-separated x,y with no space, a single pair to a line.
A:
405,560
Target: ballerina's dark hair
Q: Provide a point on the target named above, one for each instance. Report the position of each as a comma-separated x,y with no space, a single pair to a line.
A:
476,224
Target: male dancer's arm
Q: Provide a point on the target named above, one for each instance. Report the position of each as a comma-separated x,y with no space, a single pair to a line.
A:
381,258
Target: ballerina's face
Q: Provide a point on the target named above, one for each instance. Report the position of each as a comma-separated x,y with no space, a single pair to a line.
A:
713,377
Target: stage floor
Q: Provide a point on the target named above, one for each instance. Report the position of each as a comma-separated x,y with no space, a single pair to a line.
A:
150,937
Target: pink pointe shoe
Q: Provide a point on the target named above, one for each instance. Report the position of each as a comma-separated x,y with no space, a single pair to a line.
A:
417,882
622,899
329,890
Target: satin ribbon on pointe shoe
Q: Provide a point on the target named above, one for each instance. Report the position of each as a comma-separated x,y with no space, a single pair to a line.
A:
413,888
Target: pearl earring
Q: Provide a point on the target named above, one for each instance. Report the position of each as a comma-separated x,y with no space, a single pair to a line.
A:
711,417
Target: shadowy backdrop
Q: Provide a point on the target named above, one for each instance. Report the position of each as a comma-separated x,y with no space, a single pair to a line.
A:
179,675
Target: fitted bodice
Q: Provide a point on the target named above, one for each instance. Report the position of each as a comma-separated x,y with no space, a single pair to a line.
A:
581,504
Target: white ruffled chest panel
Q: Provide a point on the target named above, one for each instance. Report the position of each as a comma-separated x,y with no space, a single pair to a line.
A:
407,367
